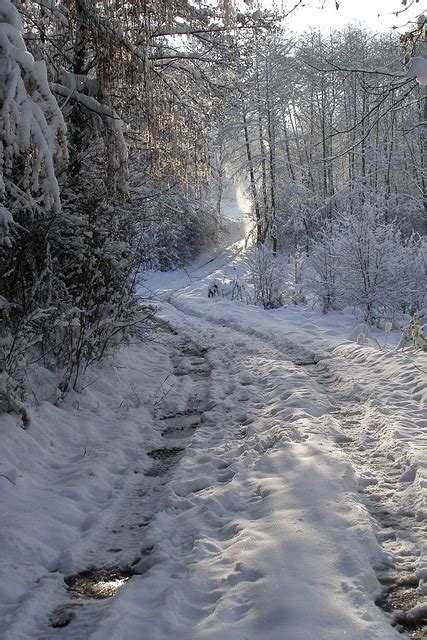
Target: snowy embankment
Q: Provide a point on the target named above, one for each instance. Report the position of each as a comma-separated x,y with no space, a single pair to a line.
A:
261,529
63,478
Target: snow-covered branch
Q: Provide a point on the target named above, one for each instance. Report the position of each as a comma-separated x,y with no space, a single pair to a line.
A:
32,134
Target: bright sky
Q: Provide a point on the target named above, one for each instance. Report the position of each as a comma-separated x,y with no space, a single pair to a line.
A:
365,11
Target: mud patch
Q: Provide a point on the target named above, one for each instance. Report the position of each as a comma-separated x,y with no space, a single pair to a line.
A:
165,453
399,597
62,616
165,457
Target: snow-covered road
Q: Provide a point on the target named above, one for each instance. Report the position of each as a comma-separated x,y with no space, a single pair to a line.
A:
259,472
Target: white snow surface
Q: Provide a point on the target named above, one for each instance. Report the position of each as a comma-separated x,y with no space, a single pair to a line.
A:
418,69
260,529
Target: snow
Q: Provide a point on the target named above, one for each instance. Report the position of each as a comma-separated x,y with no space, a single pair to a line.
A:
68,466
10,15
418,69
260,530
6,221
274,542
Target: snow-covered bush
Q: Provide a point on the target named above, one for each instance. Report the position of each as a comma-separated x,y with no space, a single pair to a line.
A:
98,308
415,334
366,263
267,276
173,228
232,289
294,282
323,270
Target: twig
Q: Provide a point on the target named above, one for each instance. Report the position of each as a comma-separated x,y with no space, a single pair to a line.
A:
2,475
158,401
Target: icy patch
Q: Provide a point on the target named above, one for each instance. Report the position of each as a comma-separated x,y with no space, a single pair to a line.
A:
181,426
98,583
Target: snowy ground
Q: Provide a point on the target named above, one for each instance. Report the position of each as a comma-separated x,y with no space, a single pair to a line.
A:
262,474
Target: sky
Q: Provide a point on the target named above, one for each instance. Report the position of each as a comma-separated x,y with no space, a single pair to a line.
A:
376,14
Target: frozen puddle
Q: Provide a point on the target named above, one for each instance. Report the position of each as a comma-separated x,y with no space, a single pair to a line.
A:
98,583
181,425
399,596
93,583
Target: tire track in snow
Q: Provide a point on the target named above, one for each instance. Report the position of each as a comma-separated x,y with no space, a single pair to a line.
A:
233,446
386,478
121,551
219,497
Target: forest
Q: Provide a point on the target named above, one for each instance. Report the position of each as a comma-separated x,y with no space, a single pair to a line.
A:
123,124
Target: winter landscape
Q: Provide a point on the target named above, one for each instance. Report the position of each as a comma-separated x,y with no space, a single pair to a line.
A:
213,339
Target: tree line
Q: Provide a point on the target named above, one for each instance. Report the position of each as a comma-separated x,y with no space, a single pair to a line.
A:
120,125
331,136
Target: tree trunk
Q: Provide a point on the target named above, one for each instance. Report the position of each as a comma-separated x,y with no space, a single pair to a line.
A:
254,191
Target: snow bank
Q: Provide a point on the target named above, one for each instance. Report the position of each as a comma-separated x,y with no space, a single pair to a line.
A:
61,477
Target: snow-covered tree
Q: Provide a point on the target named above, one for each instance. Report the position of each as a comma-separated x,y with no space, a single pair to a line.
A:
32,131
140,89
33,153
366,263
267,275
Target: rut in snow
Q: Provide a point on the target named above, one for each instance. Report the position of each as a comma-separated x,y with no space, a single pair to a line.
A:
383,493
385,484
122,554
